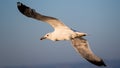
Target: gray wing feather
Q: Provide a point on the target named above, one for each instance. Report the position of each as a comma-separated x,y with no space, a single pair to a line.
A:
27,11
82,47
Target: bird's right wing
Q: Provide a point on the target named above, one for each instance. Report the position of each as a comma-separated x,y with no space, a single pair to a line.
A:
27,11
82,47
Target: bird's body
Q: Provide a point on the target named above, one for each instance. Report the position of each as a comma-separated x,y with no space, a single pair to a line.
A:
63,32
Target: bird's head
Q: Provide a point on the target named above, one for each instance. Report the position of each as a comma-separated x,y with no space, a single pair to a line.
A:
47,36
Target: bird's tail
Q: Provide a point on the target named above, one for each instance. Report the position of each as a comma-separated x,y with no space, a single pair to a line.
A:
80,34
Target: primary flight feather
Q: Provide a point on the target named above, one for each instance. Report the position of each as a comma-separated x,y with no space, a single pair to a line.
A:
62,32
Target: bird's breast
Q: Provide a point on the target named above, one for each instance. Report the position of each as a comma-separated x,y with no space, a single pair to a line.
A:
63,35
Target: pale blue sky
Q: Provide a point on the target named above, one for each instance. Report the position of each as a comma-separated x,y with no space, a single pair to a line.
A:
19,35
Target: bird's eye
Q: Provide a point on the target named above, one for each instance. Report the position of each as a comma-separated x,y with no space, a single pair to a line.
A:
47,35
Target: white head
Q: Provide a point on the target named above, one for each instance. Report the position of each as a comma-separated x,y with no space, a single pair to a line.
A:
47,36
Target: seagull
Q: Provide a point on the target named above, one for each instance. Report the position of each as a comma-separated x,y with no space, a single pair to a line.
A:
63,32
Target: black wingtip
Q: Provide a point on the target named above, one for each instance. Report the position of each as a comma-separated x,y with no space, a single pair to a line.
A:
19,3
101,63
25,10
21,7
98,63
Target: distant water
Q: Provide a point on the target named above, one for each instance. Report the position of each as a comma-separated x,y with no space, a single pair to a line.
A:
110,64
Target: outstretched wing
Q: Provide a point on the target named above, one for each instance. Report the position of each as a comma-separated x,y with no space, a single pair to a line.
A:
82,47
27,11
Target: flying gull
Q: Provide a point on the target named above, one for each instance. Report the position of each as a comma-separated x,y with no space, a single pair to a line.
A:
62,32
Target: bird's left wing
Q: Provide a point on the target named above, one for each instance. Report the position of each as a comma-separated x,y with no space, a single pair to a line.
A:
27,11
82,47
